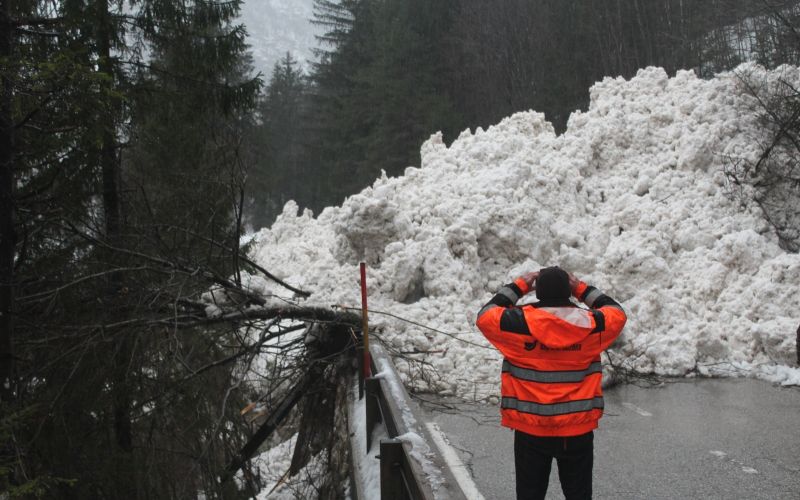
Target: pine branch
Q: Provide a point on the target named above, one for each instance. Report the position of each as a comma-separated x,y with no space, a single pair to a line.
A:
241,257
37,21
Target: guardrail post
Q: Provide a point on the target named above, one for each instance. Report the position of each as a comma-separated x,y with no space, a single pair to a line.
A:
393,481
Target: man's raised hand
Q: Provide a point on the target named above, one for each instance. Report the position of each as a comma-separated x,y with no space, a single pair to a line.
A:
573,282
530,279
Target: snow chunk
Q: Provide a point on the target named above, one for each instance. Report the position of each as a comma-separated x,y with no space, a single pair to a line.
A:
213,311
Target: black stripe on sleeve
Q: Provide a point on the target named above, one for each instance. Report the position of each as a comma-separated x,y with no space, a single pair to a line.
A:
605,300
516,289
602,300
586,292
599,320
513,321
500,300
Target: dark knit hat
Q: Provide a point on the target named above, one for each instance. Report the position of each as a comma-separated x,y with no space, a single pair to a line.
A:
552,283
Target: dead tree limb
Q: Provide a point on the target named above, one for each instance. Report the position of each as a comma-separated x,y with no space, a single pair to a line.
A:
268,427
306,314
243,258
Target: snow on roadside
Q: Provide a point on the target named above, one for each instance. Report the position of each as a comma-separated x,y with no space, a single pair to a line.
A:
272,466
631,198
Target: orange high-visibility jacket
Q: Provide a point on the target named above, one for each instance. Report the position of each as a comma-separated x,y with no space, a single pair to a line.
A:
551,372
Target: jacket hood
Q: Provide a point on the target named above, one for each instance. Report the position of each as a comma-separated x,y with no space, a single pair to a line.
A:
560,327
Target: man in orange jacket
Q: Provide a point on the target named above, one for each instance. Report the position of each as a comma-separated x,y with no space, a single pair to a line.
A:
551,378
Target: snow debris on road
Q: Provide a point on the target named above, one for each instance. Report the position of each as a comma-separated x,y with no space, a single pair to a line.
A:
631,198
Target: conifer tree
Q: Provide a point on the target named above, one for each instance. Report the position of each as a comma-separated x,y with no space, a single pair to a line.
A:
380,91
7,208
281,173
337,120
407,79
91,263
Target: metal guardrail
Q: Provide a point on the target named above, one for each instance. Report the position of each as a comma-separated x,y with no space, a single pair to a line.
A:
401,478
401,474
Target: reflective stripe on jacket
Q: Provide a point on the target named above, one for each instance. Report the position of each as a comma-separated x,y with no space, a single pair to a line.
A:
551,369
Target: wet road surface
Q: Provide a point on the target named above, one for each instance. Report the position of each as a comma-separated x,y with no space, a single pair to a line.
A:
711,438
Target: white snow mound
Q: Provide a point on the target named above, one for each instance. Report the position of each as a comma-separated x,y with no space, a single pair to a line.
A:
631,198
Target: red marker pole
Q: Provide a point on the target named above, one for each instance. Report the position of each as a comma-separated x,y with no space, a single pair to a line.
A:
365,320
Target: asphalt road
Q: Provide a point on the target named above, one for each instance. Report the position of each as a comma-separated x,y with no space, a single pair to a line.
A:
718,438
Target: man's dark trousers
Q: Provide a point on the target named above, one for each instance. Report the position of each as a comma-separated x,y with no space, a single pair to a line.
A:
533,456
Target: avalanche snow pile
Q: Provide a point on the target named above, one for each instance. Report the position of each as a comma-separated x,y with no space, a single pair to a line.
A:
631,198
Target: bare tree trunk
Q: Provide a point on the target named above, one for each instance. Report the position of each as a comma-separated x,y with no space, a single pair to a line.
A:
109,166
108,148
8,238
